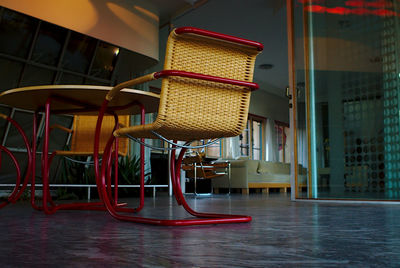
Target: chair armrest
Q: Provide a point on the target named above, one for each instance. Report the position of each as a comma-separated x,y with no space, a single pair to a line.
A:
252,86
114,91
156,75
56,126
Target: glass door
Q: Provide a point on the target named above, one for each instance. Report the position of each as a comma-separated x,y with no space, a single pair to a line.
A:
348,110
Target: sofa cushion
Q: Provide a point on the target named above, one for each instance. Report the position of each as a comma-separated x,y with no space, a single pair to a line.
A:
273,167
242,158
238,163
269,178
252,166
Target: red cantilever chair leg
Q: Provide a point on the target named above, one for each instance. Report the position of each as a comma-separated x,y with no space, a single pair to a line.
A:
101,176
18,189
11,197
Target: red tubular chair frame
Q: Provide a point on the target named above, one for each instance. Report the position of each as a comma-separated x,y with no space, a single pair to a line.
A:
18,189
101,176
101,171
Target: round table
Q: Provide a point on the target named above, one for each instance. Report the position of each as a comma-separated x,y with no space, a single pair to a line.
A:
78,99
73,100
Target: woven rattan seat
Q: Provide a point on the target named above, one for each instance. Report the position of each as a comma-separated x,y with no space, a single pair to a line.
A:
83,132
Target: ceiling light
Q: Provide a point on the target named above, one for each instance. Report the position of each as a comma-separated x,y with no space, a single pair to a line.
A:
265,66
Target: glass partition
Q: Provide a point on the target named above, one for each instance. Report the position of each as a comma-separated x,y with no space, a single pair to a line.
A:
351,71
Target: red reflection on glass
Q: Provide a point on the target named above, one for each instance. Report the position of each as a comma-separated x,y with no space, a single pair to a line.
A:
315,9
311,1
374,4
338,10
354,3
360,11
379,4
382,12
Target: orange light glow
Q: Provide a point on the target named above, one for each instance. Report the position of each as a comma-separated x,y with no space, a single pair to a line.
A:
80,16
141,25
147,13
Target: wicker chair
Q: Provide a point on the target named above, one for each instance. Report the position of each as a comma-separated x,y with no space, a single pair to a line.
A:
82,139
205,94
195,167
83,135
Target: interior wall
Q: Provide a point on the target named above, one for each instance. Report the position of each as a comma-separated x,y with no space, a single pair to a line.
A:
269,105
131,25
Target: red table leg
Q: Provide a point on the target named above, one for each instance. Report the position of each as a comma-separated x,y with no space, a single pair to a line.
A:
49,206
105,195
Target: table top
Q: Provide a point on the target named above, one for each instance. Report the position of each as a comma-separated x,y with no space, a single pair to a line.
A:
78,99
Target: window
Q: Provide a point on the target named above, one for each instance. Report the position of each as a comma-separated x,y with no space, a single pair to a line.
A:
282,135
16,33
49,44
104,61
251,139
256,140
244,141
79,53
212,151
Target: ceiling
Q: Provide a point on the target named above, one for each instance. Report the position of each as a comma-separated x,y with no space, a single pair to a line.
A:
259,20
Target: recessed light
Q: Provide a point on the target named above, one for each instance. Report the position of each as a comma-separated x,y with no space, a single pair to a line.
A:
265,66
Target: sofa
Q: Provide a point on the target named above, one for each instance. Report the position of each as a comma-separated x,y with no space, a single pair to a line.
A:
247,174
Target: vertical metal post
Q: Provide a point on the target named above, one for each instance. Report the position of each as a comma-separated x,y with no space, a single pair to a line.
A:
293,101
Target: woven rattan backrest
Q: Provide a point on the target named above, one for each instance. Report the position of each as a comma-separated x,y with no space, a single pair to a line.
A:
193,109
84,126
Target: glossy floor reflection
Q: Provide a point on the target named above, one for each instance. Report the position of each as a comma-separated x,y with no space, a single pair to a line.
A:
282,234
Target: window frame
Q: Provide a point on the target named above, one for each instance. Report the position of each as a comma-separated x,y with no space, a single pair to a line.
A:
249,135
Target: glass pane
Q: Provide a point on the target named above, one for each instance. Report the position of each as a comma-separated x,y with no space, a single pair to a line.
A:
256,154
214,150
281,143
3,123
301,105
70,79
16,33
302,147
79,53
10,74
34,75
58,138
96,82
14,139
287,144
256,134
244,141
354,99
104,61
8,170
49,44
256,140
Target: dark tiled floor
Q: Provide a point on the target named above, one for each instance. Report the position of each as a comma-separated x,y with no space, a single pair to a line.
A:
282,234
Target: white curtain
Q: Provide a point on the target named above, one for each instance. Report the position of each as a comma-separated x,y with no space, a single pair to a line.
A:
302,147
231,148
271,150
